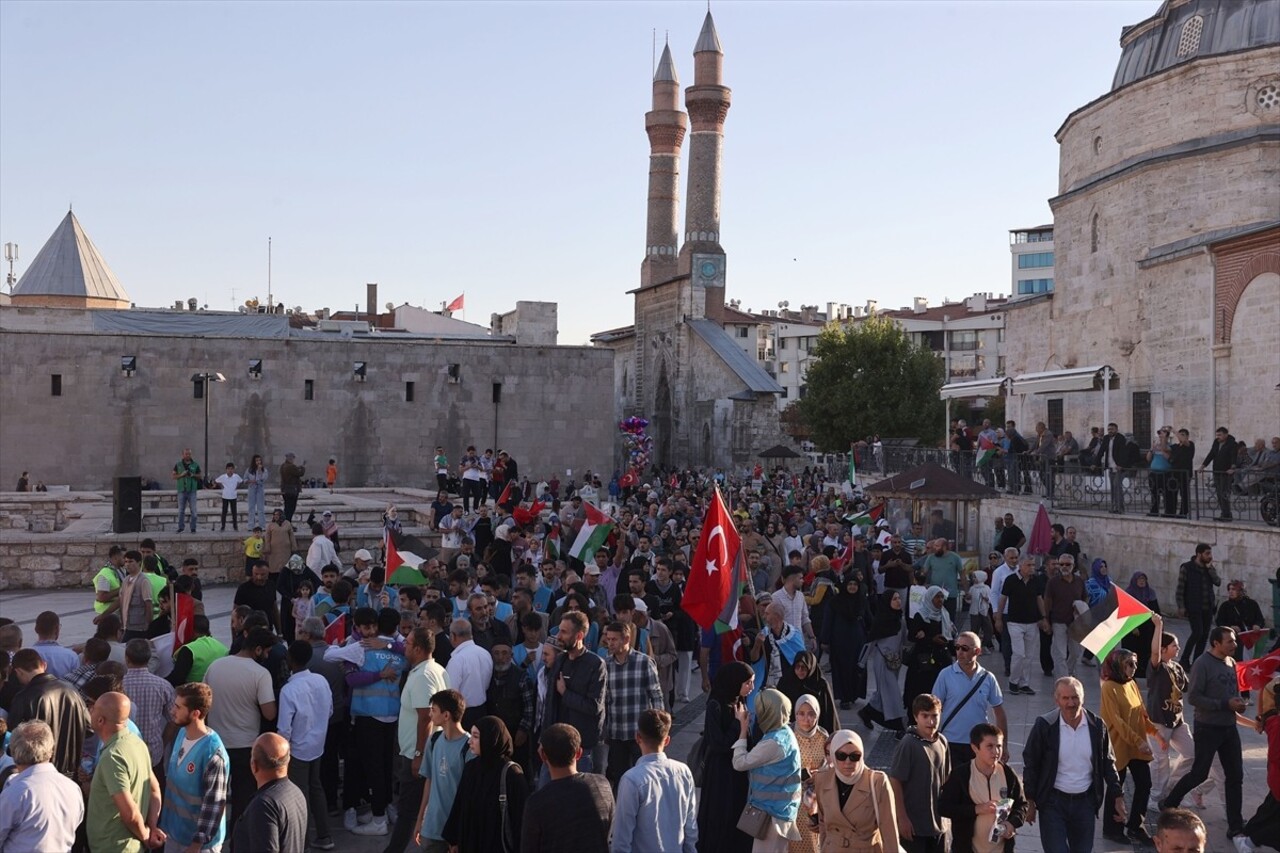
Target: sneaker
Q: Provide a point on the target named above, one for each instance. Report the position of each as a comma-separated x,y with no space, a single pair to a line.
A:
364,815
1027,691
323,844
1140,835
349,821
376,826
1243,843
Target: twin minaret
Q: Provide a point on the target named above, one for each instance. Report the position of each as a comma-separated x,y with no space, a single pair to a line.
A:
699,253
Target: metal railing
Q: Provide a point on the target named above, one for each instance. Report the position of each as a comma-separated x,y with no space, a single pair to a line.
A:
1200,495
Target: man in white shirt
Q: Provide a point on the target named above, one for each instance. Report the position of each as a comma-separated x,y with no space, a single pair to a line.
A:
795,609
1006,570
306,705
470,670
230,482
321,553
1069,771
426,678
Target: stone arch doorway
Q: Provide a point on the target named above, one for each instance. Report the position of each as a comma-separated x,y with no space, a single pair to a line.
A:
662,421
1252,401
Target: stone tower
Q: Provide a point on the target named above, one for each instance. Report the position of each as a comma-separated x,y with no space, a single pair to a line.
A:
707,100
665,124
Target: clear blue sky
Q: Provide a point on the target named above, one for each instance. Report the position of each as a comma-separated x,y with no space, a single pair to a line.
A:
874,149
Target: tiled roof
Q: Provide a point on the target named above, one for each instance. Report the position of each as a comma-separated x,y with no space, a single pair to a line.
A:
70,265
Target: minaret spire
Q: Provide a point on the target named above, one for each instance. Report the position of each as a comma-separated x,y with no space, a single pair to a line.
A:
665,125
707,101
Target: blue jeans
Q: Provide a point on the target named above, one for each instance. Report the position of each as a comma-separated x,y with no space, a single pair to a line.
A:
584,766
1066,823
257,506
185,500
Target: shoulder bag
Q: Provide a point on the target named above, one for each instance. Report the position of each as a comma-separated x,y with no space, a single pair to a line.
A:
965,700
875,806
755,822
508,834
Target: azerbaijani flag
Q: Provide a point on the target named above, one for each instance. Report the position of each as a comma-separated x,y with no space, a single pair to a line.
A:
593,534
1101,628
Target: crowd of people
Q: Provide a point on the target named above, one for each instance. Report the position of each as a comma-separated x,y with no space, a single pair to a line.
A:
517,691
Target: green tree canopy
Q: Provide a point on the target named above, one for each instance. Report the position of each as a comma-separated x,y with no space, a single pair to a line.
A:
869,378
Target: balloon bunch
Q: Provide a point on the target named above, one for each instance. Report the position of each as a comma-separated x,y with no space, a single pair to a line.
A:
636,443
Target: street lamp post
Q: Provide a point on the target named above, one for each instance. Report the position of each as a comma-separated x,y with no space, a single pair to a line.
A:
207,378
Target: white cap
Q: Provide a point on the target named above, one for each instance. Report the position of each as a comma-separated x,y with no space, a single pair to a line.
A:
503,531
363,554
641,606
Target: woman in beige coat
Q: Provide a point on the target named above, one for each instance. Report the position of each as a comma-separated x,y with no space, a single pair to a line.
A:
855,803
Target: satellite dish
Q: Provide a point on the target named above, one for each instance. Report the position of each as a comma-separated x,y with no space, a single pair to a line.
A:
391,306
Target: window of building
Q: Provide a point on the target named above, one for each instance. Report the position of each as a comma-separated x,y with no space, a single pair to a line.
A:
308,389
784,367
964,341
55,385
803,389
1189,41
1000,365
1032,260
784,392
1097,145
1142,418
1000,335
1093,234
197,390
742,331
1029,286
1053,418
408,392
782,343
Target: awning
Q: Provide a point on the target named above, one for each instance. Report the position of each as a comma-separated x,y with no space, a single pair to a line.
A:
1075,379
993,387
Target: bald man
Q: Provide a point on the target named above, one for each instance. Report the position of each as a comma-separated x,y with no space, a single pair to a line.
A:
276,819
124,798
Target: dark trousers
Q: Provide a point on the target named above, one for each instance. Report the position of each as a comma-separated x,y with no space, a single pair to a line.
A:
1006,646
306,775
243,785
1141,799
1224,742
470,715
1066,823
290,505
1046,653
1263,828
377,746
229,505
925,844
334,747
1201,623
472,494
1222,490
623,755
1182,481
442,480
407,802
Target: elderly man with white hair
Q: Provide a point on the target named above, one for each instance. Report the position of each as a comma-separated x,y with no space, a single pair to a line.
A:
39,807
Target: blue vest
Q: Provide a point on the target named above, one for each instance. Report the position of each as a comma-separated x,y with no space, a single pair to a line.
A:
184,789
775,787
382,698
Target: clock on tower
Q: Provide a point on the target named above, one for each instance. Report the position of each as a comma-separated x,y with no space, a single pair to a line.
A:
708,270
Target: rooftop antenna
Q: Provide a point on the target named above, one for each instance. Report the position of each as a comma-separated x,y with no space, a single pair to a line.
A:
11,255
270,301
653,60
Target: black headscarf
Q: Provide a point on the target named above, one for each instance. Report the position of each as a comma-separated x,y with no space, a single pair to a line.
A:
495,741
888,621
729,681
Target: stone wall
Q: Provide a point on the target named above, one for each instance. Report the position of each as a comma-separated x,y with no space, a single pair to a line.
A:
1157,547
106,424
46,512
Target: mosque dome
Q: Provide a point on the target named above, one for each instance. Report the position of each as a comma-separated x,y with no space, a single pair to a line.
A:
69,272
1183,30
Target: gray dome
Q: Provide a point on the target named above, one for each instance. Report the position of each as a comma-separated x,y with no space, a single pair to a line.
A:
1183,30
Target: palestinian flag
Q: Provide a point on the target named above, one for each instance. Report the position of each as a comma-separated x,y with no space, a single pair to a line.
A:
402,566
551,545
1101,628
1249,639
1254,674
593,534
868,518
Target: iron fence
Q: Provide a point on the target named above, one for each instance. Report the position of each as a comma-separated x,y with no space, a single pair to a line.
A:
1200,495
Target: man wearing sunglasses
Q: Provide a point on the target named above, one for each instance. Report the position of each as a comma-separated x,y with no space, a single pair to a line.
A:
968,692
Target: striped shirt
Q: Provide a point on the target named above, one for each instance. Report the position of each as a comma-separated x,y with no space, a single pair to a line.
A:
630,688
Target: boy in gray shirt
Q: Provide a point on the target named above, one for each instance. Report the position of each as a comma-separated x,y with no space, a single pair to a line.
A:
921,763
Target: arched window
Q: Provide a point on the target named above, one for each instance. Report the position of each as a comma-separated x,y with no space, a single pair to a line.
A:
1189,41
1093,234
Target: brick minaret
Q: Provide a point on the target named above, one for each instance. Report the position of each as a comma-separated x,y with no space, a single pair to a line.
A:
707,101
665,124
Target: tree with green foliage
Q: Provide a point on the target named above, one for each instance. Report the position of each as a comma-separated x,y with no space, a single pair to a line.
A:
870,378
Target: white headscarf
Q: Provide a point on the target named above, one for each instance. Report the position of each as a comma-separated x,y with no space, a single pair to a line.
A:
846,737
930,613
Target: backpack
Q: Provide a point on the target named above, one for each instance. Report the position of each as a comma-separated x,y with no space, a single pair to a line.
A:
466,746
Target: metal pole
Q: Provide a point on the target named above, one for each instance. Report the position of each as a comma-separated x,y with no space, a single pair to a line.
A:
1106,396
207,390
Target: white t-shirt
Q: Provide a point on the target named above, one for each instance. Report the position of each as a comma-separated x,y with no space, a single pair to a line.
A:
229,483
240,685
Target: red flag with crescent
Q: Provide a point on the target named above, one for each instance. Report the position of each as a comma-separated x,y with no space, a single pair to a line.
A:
711,569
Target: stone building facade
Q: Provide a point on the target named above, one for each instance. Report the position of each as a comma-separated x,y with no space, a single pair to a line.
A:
707,401
73,416
1167,233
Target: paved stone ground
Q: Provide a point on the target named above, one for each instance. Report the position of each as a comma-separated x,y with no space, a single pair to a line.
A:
76,610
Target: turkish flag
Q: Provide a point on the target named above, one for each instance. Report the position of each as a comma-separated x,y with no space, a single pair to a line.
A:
711,569
1254,674
456,305
184,614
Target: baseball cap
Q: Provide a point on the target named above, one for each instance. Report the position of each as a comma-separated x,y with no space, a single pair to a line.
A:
363,554
641,607
591,569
